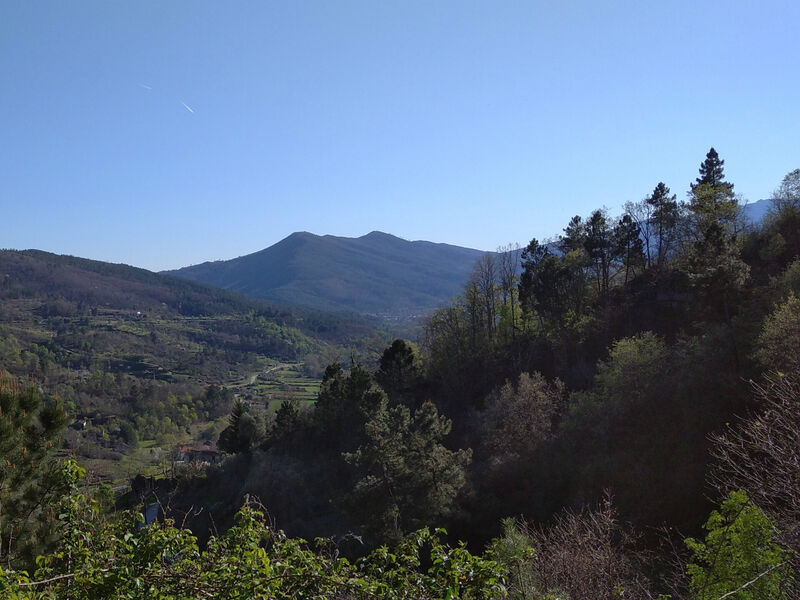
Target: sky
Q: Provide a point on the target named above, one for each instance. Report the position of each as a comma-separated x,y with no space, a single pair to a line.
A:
163,134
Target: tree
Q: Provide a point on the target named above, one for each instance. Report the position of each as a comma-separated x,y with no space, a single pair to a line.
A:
715,268
783,221
286,419
665,216
244,431
519,416
552,286
711,172
574,234
739,555
481,293
400,371
779,341
118,559
787,196
407,477
584,555
509,267
530,284
716,272
599,245
711,199
345,403
628,246
30,479
761,455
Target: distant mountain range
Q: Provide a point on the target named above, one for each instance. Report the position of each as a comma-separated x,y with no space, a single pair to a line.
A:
754,212
376,273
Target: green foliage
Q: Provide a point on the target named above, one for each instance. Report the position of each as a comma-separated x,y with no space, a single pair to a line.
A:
665,216
346,401
286,419
779,341
711,172
121,560
29,475
244,431
520,415
739,554
400,370
514,550
407,477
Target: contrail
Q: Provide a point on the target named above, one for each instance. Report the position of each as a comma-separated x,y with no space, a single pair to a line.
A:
187,107
147,87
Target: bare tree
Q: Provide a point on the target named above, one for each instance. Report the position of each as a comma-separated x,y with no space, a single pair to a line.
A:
484,282
762,457
586,555
509,267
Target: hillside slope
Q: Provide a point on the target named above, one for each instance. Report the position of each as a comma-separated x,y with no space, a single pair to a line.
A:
40,289
377,273
137,356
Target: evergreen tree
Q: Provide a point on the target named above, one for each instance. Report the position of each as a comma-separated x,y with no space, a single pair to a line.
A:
711,198
665,215
400,371
628,246
711,172
715,268
244,430
346,401
598,243
286,419
29,472
407,477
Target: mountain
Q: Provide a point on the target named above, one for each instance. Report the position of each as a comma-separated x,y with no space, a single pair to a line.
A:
376,274
92,313
754,212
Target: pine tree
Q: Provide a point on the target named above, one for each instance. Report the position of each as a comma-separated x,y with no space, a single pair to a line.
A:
711,171
30,478
711,198
665,216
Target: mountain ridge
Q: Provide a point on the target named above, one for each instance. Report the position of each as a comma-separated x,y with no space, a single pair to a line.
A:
376,273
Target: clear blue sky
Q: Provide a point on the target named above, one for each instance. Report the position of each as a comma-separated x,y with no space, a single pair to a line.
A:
472,123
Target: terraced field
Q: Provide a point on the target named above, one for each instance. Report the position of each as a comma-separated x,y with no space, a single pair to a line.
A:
278,382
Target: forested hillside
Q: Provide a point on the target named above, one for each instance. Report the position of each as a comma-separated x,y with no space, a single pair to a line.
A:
616,416
144,361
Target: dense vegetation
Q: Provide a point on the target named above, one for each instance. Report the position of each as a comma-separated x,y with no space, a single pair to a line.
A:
614,417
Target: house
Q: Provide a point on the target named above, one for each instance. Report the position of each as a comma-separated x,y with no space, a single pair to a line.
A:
204,454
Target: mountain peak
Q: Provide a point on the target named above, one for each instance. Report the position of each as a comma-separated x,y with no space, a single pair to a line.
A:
377,273
375,235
